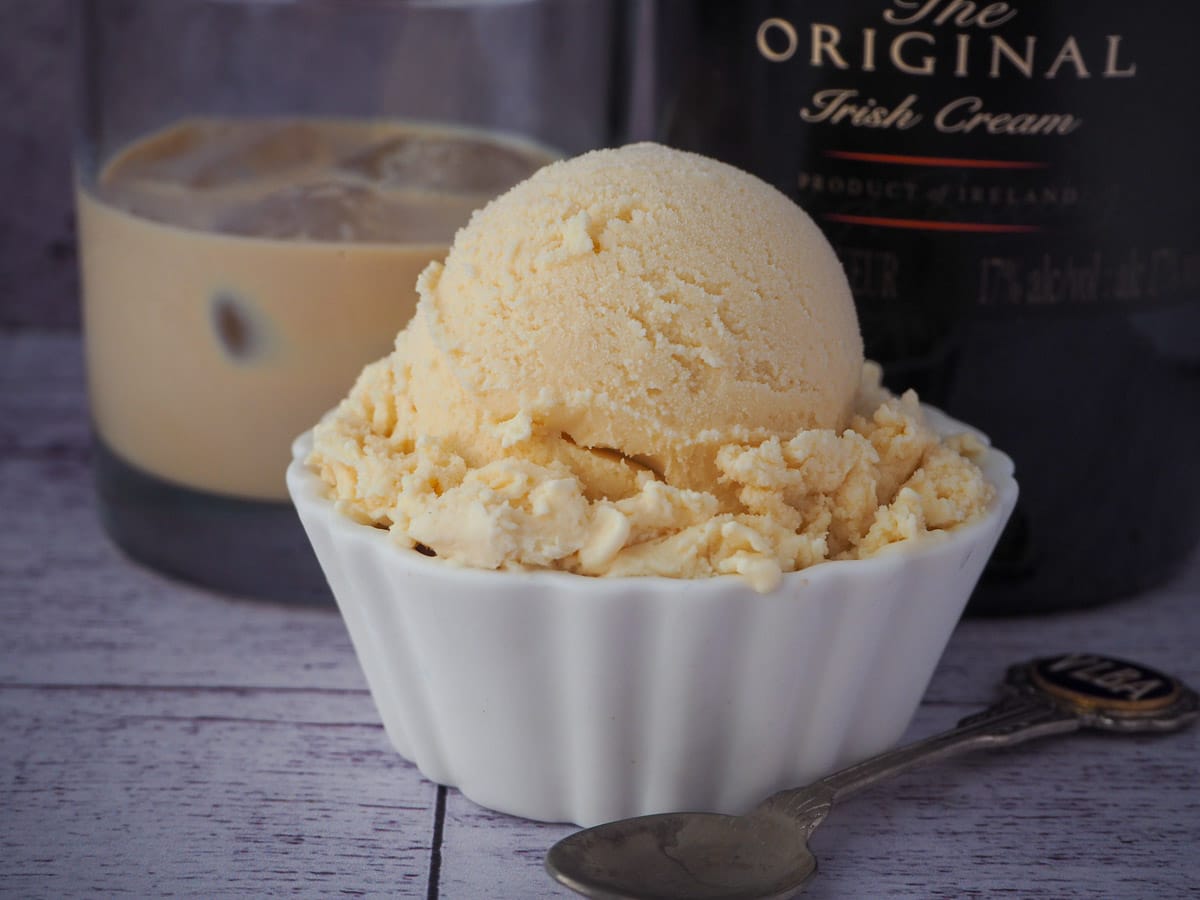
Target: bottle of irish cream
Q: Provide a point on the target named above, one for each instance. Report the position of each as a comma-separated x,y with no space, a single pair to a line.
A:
1013,190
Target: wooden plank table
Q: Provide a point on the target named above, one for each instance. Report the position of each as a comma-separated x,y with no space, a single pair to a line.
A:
157,739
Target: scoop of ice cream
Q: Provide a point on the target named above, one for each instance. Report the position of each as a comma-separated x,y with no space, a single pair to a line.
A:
638,362
650,302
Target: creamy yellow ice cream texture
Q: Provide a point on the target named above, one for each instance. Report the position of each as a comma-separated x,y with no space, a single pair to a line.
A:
640,362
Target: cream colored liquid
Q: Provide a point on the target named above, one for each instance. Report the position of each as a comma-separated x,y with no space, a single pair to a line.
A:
237,275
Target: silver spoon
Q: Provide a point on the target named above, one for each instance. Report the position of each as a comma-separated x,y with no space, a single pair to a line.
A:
764,854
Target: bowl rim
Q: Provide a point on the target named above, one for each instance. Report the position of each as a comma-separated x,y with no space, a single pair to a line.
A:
308,496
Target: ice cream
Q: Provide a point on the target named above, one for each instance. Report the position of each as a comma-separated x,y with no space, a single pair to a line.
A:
640,361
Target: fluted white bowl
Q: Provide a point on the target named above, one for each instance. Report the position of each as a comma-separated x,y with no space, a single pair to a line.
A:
561,697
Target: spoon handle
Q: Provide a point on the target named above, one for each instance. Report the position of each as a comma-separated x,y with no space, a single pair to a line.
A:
1053,695
1012,720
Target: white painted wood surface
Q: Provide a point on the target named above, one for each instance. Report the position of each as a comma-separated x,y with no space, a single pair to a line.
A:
156,739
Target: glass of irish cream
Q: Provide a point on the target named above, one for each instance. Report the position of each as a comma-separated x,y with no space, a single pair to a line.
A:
258,187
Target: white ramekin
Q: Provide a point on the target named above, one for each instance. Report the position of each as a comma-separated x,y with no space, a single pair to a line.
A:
566,698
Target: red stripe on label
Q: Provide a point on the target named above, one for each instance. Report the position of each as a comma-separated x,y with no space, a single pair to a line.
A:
944,161
927,225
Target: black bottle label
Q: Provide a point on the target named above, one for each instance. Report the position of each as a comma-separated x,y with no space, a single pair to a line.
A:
1012,189
965,158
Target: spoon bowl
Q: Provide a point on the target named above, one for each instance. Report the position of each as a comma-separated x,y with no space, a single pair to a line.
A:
703,856
764,855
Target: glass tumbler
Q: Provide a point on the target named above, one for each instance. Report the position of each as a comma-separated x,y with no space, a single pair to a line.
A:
259,182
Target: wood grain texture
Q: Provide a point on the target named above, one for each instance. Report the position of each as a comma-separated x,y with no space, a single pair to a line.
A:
77,612
111,792
158,739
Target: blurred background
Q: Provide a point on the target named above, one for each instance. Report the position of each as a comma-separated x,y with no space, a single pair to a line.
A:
38,277
38,269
